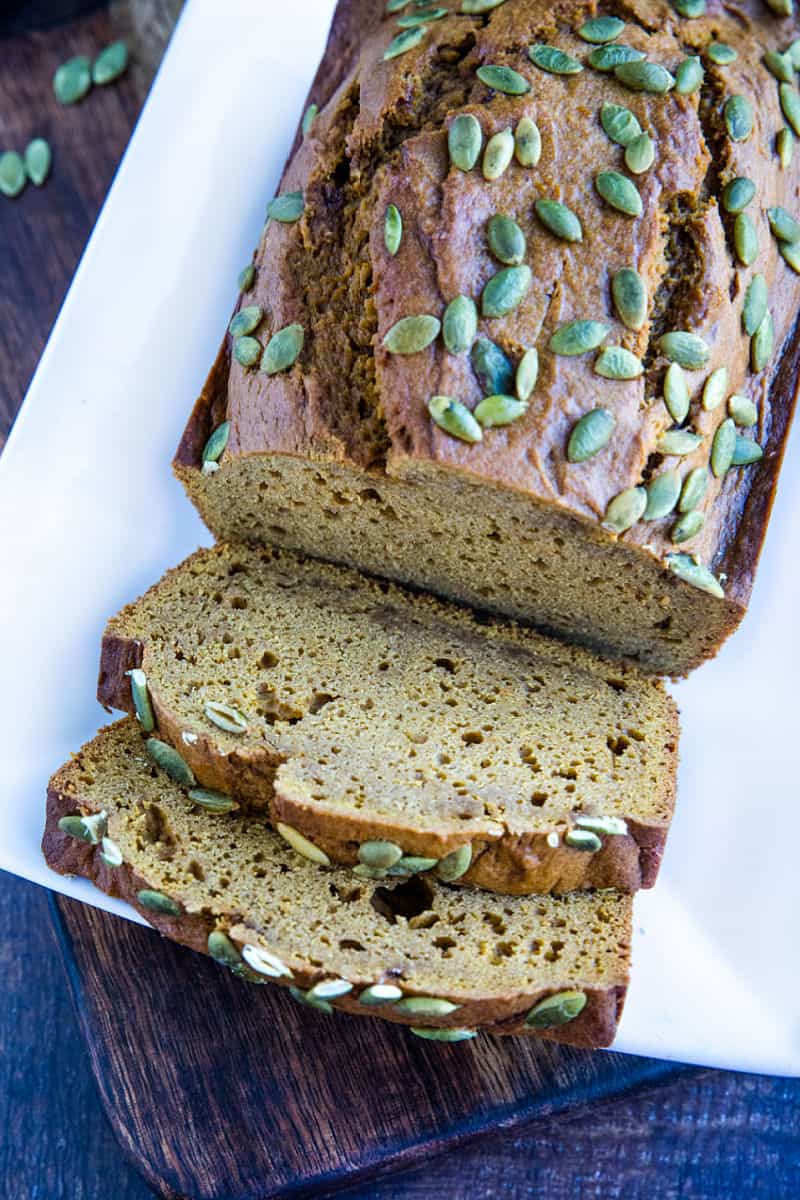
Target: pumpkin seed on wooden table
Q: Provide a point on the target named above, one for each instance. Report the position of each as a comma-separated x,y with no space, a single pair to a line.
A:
620,192
558,1009
624,511
601,29
662,495
790,104
406,40
590,435
746,452
392,229
644,76
503,79
738,114
689,76
38,159
527,374
745,239
687,527
110,64
578,337
497,155
676,393
559,219
492,368
689,350
283,349
506,240
615,362
13,175
694,573
606,58
743,410
460,324
411,335
629,293
494,411
755,304
715,389
527,143
619,123
550,58
454,418
694,489
506,290
72,80
464,141
784,144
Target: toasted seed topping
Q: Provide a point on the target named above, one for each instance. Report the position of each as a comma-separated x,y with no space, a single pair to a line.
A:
629,294
410,864
72,80
550,58
287,208
643,76
687,349
498,154
406,40
330,989
419,18
392,229
309,1001
167,758
365,872
721,54
309,117
464,141
444,1035
506,290
302,845
794,51
619,123
503,79
379,854
527,374
426,1006
783,225
578,337
110,64
247,277
506,240
590,435
743,411
455,864
601,29
606,58
412,334
479,6
140,695
214,447
790,253
678,442
584,840
689,76
264,963
225,717
676,393
283,349
762,344
620,192
247,351
689,8
640,154
559,219
157,902
755,304
615,362
779,65
738,113
737,194
492,367
38,159
111,853
454,418
460,324
499,410
662,495
745,239
694,573
222,950
73,826
527,143
380,993
13,176
784,144
790,104
722,447
90,828
625,510
715,389
746,452
394,6
687,527
610,826
211,801
694,489
557,1009
246,320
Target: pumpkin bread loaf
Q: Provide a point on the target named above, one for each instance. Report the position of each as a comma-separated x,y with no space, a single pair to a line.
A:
521,324
395,732
445,961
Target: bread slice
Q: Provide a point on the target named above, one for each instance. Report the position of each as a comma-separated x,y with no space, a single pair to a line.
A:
223,883
372,714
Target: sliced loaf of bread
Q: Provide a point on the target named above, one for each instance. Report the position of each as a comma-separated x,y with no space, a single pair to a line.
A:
376,723
447,961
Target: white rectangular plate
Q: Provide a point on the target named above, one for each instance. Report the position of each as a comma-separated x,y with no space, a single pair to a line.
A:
90,516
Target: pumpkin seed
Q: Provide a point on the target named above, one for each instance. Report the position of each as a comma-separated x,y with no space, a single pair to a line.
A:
694,573
111,853
90,828
412,334
13,176
738,113
506,240
550,58
779,65
74,827
615,362
640,154
365,872
689,8
737,194
715,388
214,447
784,144
247,351
784,8
722,447
755,304
460,324
492,368
557,1009
222,950
309,117
72,80
662,495
379,854
157,902
211,801
625,510
743,411
330,989
790,104
464,141
444,1035
246,320
283,349
678,443
578,337
380,993
790,253
559,219
394,6
302,845
392,229
590,435
629,294
584,840
553,840
479,6
793,51
610,826
643,76
110,64
287,208
620,124
38,159
689,76
247,277
425,1006
455,864
506,290
783,225
620,192
499,410
687,349
601,29
503,79
527,374
527,143
413,865
419,18
694,489
745,239
140,695
745,452
498,154
406,40
167,758
225,717
606,58
721,54
761,344
454,418
310,1001
676,393
265,963
687,527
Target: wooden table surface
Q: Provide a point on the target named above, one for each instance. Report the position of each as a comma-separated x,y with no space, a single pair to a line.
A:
706,1135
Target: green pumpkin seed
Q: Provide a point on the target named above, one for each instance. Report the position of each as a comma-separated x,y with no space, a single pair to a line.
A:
715,388
620,192
74,827
790,253
365,872
640,154
527,143
167,758
110,64
247,351
411,864
610,826
606,58
380,993
784,144
287,208
738,113
559,219
662,495
687,349
643,76
783,225
419,18
745,239
506,290
330,989
790,104
722,447
492,368
425,1006
783,8
527,374
309,1001
503,79
694,489
225,717
624,511
455,864
689,8
72,80
392,229
406,40
211,801
309,117
743,411
454,418
615,362
557,1009
687,527
90,828
38,159
157,902
394,6
214,447
762,344
444,1035
471,7
302,845
793,51
498,154
737,194
246,320
689,76
590,435
779,65
460,324
247,277
222,950
283,349
506,240
111,853
678,443
578,337
411,335
721,54
494,411
464,141
601,29
379,854
583,840
550,58
620,124
755,304
629,294
746,452
140,695
685,567
676,393
13,176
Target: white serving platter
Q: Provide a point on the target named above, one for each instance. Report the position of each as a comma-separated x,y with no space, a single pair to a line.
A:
90,516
